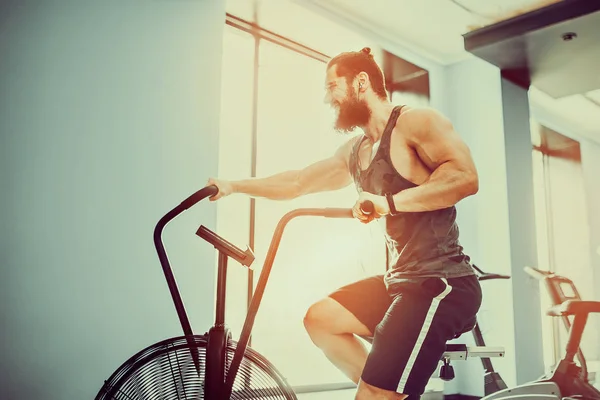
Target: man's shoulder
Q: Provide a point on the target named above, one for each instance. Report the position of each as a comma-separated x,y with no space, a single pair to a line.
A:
351,142
417,119
345,149
419,114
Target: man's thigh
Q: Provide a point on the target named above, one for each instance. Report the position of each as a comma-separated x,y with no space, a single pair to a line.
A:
366,299
412,336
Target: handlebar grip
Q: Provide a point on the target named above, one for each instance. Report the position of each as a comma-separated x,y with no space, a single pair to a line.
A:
207,191
367,207
337,213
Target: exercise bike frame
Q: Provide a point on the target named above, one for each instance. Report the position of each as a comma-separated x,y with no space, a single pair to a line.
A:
219,380
566,380
264,276
572,379
219,334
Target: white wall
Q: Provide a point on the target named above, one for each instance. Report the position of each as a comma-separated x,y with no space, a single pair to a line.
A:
109,117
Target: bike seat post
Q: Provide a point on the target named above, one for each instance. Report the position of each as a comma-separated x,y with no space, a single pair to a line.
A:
225,249
221,290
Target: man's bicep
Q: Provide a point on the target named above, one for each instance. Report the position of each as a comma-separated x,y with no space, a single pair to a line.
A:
329,174
436,142
325,175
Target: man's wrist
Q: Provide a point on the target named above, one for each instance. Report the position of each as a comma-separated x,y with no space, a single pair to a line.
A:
235,186
389,199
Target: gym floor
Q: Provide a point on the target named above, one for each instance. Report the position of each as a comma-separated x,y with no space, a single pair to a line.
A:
348,394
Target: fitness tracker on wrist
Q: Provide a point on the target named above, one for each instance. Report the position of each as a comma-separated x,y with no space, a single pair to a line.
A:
390,200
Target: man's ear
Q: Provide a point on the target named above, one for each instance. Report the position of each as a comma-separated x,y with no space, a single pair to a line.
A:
363,80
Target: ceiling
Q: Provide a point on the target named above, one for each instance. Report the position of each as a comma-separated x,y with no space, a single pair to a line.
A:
409,23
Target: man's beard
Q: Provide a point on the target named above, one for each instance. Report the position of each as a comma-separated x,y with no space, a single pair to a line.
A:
352,113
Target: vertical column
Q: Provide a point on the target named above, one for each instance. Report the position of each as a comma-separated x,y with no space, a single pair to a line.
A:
498,224
519,173
590,162
474,105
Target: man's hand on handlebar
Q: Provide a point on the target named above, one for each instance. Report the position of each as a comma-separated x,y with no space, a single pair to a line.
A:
379,203
225,188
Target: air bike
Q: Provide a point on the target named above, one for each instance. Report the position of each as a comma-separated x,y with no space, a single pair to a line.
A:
566,380
213,366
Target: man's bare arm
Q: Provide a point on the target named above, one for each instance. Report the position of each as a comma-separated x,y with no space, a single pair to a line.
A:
325,175
453,176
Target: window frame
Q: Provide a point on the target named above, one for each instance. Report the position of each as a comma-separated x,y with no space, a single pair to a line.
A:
259,35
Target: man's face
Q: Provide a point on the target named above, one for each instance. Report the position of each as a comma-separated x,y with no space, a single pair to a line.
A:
351,111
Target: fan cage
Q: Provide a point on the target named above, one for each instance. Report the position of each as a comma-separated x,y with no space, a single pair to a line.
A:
166,371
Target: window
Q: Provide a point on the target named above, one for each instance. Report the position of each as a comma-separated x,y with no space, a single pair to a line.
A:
316,255
562,230
235,144
274,119
290,115
296,22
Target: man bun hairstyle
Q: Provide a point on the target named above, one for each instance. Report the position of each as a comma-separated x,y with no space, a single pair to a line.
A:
351,63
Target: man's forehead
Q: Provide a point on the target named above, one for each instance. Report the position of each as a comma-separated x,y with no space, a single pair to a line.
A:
331,75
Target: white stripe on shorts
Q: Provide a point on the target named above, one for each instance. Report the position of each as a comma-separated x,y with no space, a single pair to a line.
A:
422,335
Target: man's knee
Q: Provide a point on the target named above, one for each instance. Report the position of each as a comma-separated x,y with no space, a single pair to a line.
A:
366,391
330,317
317,316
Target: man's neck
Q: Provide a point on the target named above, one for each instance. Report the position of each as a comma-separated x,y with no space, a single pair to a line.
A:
380,114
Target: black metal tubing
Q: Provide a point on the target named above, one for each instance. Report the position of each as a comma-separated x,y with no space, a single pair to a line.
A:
477,335
221,290
201,194
164,261
216,357
262,282
230,250
486,276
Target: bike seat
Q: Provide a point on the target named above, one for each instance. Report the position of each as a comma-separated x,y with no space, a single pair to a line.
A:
487,276
574,307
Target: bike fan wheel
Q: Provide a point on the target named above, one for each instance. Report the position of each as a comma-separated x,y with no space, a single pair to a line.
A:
167,371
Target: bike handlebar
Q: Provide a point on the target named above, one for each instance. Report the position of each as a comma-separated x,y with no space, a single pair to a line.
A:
247,257
164,261
244,257
367,208
537,273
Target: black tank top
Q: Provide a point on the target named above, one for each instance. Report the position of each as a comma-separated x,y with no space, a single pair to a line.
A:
418,244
